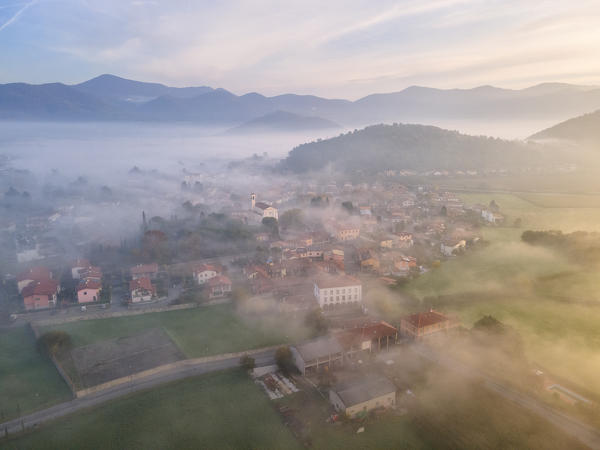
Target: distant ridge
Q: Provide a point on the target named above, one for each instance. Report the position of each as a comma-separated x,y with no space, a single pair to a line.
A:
109,97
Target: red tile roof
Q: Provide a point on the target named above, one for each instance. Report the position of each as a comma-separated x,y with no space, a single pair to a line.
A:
80,262
426,319
141,283
219,280
89,284
44,287
35,273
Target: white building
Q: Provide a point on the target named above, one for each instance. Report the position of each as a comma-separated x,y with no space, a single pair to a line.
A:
332,291
204,272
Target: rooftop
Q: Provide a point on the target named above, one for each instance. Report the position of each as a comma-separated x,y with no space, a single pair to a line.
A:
359,389
319,347
336,281
426,319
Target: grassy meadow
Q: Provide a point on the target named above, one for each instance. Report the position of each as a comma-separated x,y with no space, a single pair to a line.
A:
197,332
223,410
28,381
552,301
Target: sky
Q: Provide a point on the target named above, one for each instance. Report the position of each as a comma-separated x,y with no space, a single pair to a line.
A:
333,48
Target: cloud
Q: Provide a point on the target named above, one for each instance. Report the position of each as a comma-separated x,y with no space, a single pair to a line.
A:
16,15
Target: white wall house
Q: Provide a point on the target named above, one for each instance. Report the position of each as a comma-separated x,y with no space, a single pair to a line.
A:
337,290
204,273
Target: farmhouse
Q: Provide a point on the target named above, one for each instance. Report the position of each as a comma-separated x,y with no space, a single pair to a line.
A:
141,290
452,247
367,337
323,351
357,395
424,324
338,290
40,294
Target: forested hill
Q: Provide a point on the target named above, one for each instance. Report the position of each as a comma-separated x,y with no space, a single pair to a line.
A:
413,147
584,128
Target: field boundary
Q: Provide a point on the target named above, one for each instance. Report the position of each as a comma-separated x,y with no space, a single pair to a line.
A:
175,366
61,371
111,315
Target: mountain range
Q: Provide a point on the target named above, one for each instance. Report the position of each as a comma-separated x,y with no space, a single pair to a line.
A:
109,97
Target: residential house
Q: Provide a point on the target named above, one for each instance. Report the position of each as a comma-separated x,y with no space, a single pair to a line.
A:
357,394
324,351
141,290
347,232
452,247
218,286
88,291
40,294
33,274
492,217
78,264
204,272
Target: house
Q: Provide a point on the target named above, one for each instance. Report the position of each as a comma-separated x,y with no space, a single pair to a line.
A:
219,286
78,264
492,217
358,394
39,273
144,271
424,324
205,272
331,291
40,294
263,209
91,273
449,248
369,261
141,290
88,291
317,353
405,240
347,232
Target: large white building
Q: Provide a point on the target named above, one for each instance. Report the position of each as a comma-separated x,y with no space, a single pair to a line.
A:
333,291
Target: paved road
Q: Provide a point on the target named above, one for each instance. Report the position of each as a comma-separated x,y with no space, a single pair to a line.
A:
585,433
37,418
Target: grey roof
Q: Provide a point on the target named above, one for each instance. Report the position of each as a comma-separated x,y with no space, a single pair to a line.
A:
356,390
318,348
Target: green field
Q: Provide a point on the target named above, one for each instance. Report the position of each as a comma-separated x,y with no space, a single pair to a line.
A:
553,302
223,410
197,332
28,381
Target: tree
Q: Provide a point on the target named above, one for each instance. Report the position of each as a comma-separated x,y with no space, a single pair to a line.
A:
54,342
444,211
494,206
247,362
348,206
284,359
518,222
270,223
292,218
317,322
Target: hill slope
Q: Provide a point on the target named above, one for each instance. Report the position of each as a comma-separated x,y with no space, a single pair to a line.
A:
584,128
413,147
283,121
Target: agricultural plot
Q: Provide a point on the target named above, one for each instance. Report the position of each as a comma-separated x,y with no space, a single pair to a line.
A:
119,357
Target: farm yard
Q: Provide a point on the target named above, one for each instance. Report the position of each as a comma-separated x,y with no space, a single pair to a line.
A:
553,302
